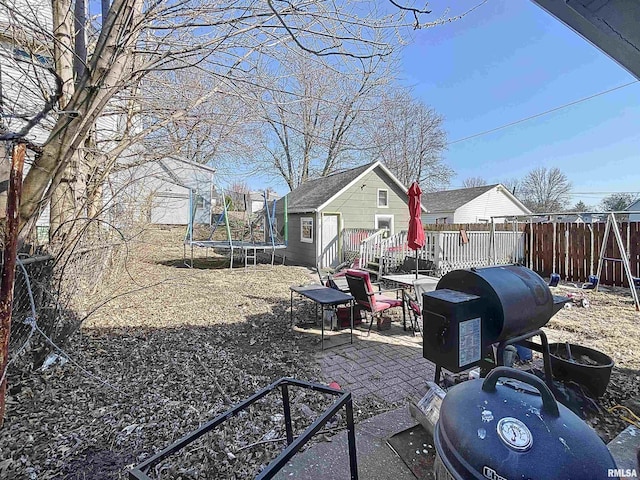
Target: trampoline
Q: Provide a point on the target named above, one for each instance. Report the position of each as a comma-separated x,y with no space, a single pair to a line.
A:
248,249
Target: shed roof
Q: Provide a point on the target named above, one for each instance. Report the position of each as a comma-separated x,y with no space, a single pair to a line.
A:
451,200
313,194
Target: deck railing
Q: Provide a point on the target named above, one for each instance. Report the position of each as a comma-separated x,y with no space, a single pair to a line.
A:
351,240
480,251
446,250
370,247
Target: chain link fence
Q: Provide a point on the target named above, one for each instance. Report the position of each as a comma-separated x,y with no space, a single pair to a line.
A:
60,287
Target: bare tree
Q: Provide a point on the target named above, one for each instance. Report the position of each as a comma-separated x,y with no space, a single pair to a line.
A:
133,39
240,187
545,190
408,137
616,202
512,184
312,111
473,182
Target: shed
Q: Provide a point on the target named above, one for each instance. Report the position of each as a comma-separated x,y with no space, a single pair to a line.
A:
163,192
471,205
367,197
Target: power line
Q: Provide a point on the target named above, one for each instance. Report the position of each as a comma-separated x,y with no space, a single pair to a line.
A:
602,193
543,113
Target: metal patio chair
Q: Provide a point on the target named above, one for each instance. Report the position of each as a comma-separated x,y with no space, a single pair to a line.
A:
371,301
413,300
426,267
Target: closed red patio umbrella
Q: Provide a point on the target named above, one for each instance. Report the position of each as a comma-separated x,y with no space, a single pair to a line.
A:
415,236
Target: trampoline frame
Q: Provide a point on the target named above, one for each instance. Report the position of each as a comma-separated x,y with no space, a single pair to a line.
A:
248,250
243,247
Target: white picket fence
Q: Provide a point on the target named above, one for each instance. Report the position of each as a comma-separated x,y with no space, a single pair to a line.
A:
446,250
480,251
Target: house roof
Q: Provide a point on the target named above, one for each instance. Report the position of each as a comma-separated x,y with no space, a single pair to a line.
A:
610,25
451,200
313,193
634,206
316,194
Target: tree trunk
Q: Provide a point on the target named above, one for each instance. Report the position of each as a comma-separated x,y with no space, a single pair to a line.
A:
9,266
63,46
80,24
63,197
107,68
63,202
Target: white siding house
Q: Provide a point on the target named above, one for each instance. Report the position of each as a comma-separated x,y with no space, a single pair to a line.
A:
634,207
257,200
25,55
26,83
470,205
162,192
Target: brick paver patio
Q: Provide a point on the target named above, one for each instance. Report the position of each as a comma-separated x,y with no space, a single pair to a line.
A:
386,364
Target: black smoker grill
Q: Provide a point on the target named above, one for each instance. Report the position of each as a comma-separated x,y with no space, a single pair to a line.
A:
471,310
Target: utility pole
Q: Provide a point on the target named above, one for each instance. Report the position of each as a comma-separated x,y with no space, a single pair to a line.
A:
9,265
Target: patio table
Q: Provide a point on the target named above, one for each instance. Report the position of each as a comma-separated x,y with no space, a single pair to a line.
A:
406,282
325,297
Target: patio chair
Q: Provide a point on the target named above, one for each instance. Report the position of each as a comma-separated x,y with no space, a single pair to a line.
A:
371,301
327,275
413,300
409,266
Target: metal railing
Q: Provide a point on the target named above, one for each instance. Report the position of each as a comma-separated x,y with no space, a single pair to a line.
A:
293,445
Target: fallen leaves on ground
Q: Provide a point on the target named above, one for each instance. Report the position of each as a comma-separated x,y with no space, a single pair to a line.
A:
172,357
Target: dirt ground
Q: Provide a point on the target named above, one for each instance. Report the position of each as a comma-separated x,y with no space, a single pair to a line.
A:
179,346
610,324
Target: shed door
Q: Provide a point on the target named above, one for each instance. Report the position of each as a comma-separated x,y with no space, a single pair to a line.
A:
170,209
330,242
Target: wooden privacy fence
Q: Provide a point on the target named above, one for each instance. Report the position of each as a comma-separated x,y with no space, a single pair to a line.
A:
573,250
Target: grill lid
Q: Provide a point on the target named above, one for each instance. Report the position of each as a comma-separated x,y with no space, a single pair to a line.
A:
516,299
490,428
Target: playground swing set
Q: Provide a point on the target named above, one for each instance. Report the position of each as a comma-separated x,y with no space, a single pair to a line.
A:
248,248
594,280
634,282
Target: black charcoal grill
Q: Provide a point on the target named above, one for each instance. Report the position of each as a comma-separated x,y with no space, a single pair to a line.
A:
473,309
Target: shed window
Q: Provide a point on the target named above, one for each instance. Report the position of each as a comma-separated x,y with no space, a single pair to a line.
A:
306,229
383,198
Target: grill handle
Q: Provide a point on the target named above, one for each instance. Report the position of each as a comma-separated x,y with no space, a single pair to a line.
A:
549,403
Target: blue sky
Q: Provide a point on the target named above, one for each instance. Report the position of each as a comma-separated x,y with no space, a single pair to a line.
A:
509,60
506,61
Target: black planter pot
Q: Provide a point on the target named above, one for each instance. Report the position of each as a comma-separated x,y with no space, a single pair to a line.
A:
594,377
